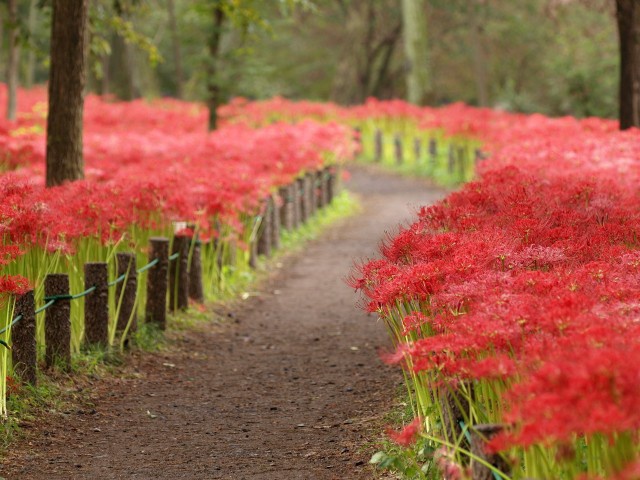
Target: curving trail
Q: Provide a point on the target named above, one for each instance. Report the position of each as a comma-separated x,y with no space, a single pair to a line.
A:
292,389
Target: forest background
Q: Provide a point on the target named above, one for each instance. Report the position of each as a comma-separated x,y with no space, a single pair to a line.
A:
550,56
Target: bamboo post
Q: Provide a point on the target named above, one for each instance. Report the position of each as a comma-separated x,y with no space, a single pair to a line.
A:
399,154
179,274
96,304
264,232
157,283
378,146
196,290
276,207
23,336
480,435
126,265
57,322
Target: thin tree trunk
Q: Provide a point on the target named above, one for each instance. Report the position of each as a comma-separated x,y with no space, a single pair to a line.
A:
104,82
67,78
414,23
13,60
177,54
628,16
31,56
479,57
213,88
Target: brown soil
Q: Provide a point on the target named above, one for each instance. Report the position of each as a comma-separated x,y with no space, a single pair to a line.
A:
290,388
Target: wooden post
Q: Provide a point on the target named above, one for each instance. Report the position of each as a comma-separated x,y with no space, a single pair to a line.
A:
324,186
179,274
297,202
275,222
478,156
417,150
452,159
433,153
378,146
331,184
312,191
286,211
357,137
321,189
126,265
157,283
480,435
196,290
57,322
264,232
462,160
304,199
23,336
455,409
399,154
96,304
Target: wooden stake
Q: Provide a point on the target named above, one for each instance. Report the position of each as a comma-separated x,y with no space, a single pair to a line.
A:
126,265
57,322
23,336
196,290
179,274
480,435
96,304
157,283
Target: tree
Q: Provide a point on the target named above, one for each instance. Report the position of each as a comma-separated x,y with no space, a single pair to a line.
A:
628,17
13,60
177,54
414,24
66,84
213,84
242,15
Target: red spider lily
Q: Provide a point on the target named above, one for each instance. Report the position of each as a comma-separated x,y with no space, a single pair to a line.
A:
408,435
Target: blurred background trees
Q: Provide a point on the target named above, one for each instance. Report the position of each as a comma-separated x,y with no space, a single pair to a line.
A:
552,56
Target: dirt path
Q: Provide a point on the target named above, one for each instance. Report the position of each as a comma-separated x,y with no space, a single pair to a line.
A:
293,389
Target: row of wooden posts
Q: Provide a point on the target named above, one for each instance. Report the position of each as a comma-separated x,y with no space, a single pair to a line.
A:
457,155
177,276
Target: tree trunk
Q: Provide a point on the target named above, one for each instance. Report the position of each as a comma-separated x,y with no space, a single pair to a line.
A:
31,56
13,60
213,88
414,22
122,80
177,54
479,57
628,15
66,86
